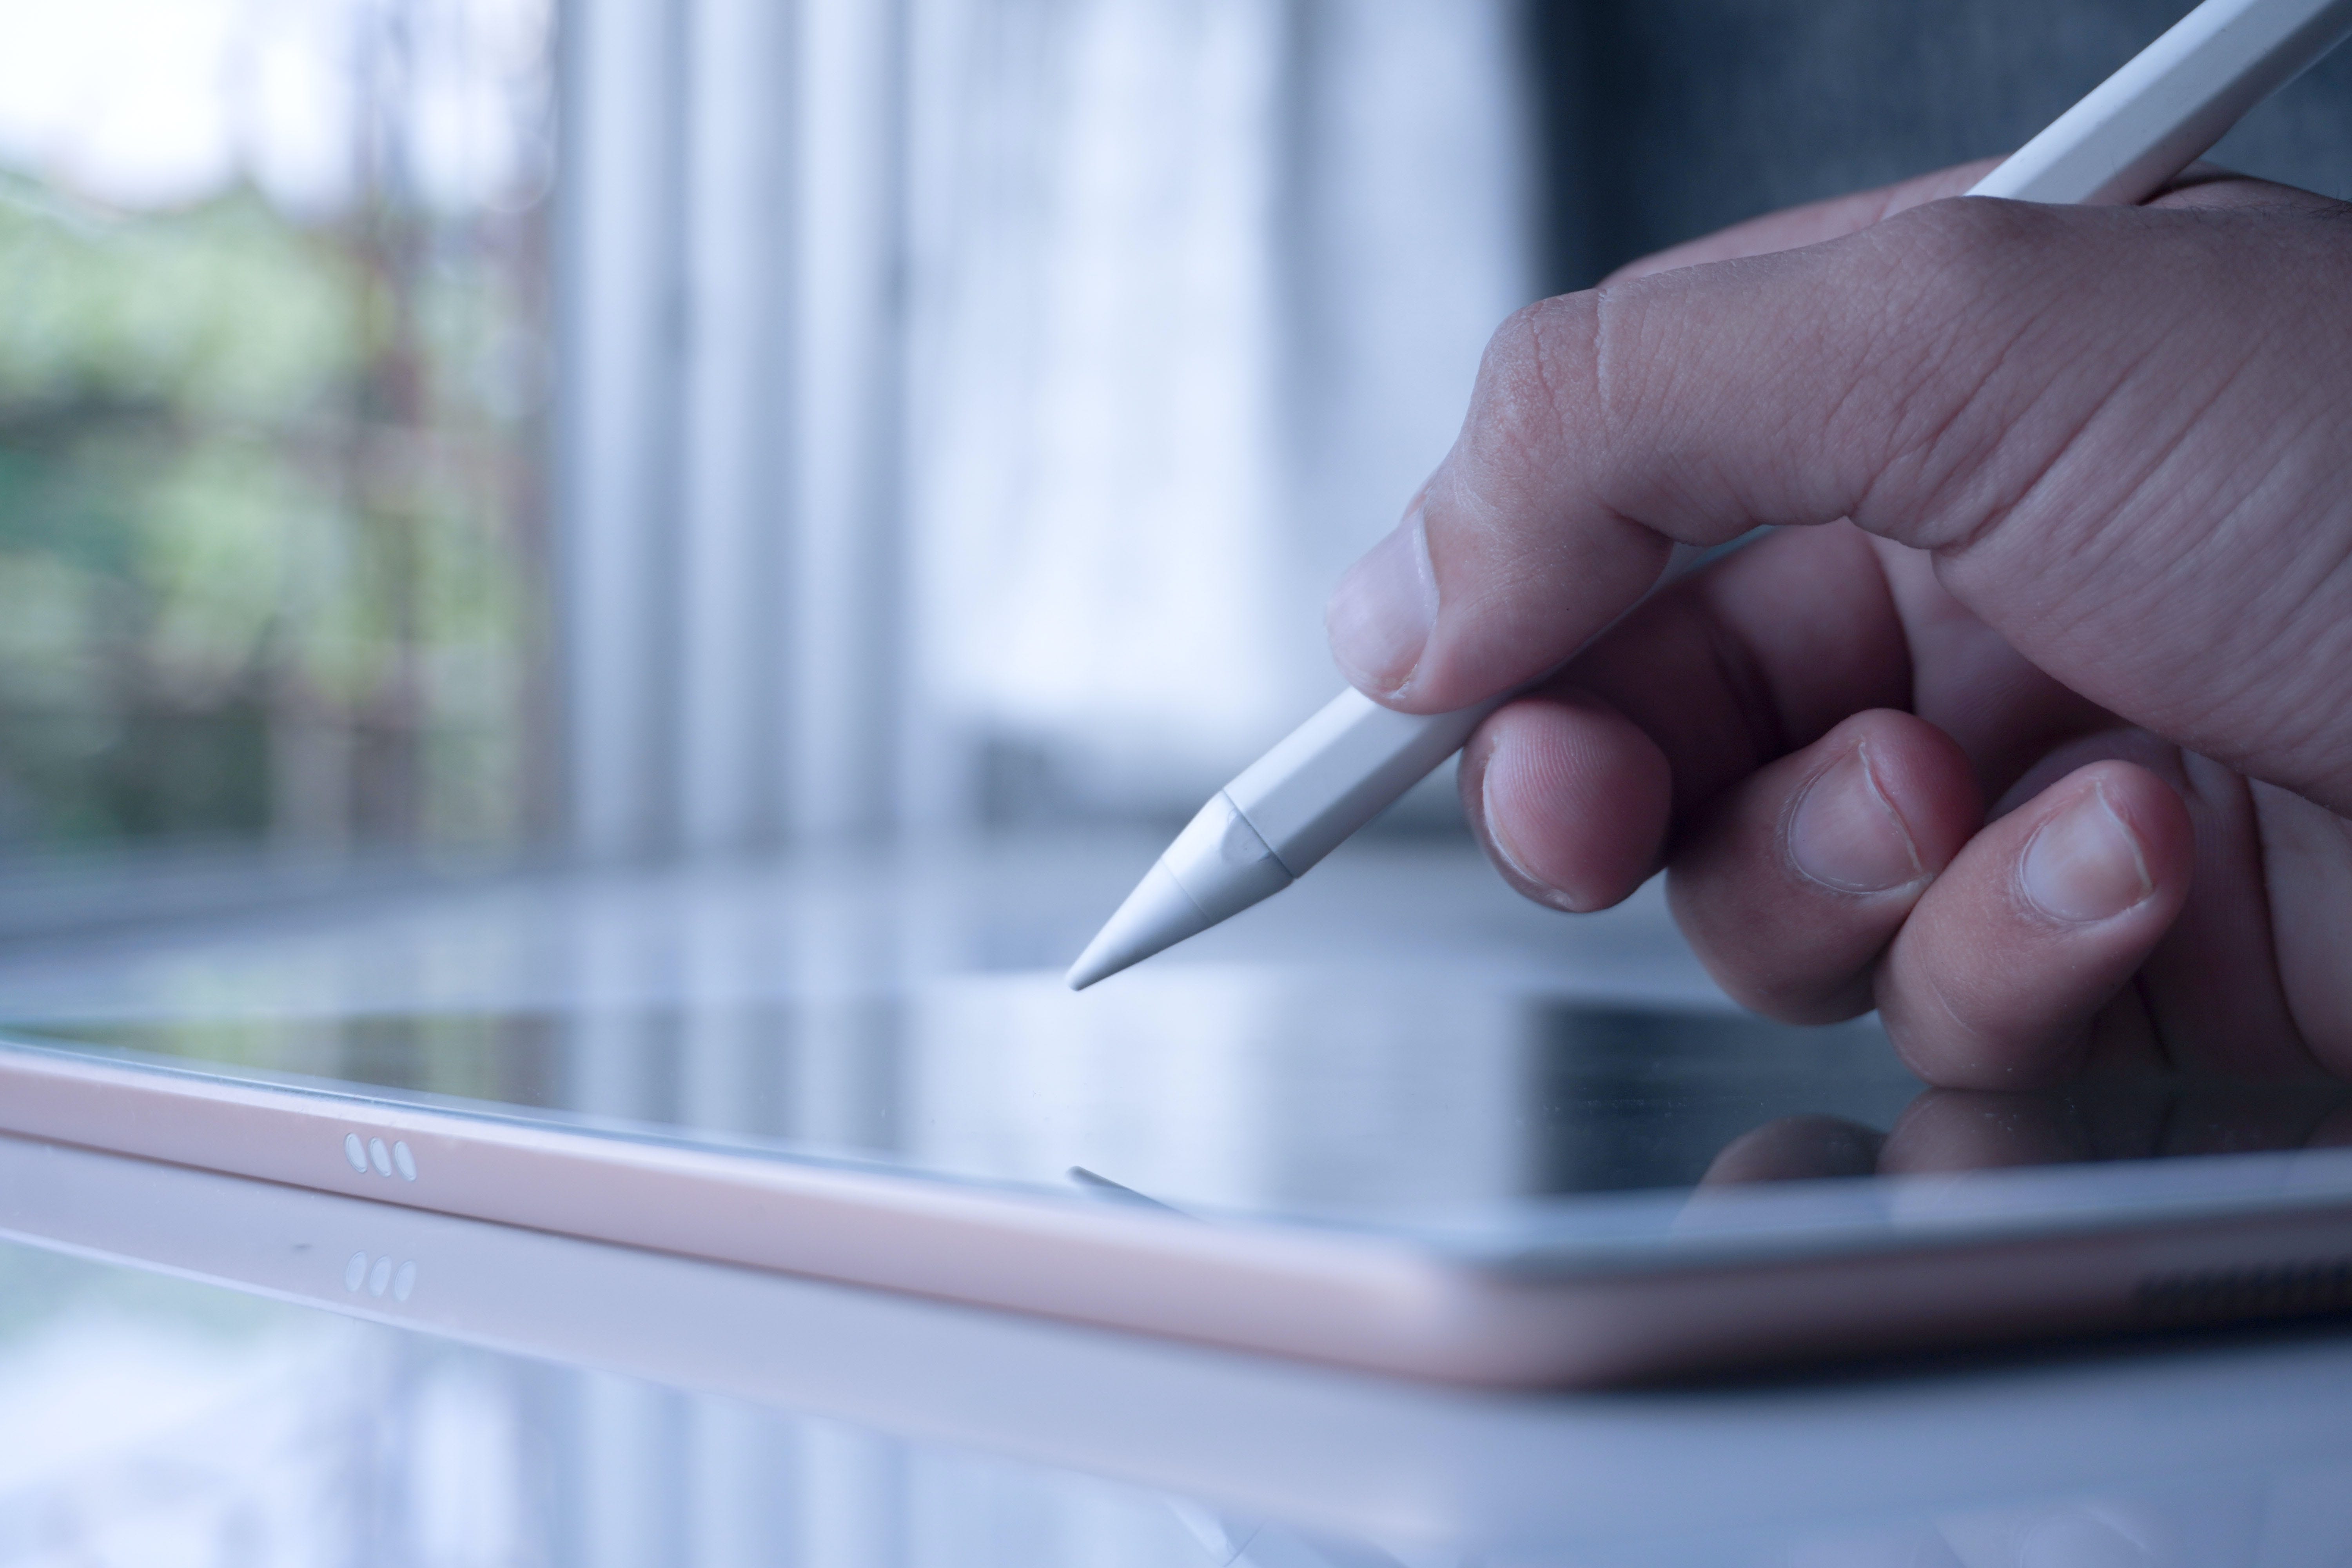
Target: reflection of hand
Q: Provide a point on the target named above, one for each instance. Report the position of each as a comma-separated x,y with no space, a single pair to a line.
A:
2177,1524
2098,572
1975,1130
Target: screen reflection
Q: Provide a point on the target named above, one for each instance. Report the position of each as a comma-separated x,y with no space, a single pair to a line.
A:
1261,1090
1238,1090
1975,1130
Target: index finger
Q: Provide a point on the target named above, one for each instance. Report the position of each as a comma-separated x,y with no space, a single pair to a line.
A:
1909,378
1678,405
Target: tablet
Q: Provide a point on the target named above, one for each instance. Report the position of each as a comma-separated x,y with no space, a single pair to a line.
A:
1459,1179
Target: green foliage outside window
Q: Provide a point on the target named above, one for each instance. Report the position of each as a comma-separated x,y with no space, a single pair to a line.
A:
267,500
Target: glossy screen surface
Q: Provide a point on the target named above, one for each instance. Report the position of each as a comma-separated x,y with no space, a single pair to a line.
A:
1208,1086
1438,1064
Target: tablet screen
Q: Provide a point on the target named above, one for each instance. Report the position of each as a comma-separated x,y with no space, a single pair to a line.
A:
1502,1117
1397,1043
1204,1086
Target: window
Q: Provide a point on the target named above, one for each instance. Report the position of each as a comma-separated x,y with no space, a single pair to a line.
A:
940,413
971,401
271,371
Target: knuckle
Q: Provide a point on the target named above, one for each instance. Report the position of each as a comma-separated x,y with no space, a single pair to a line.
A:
1955,279
1970,242
1513,354
1937,378
1535,374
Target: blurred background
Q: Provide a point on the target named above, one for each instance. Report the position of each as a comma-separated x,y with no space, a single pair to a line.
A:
632,429
459,432
274,282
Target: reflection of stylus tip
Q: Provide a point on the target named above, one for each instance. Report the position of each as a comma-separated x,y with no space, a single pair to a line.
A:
1156,915
1120,1189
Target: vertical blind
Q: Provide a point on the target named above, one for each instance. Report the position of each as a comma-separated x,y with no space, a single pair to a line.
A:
968,404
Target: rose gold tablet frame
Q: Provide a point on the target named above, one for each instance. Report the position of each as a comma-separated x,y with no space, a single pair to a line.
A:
1364,1300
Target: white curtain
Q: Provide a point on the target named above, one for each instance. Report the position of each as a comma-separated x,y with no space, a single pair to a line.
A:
1198,290
1096,336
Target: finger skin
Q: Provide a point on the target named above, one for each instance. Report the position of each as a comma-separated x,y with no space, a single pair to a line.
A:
1574,788
1755,657
2211,994
2307,868
2121,433
2103,462
1778,937
1568,798
1982,989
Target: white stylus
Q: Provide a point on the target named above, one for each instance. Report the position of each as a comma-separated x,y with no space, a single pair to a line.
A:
1336,772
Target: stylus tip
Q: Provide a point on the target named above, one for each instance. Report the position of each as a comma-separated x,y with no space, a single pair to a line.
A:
1157,914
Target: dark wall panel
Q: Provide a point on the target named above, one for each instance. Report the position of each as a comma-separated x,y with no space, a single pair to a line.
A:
1664,119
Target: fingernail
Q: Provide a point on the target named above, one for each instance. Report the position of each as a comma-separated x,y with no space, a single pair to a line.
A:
1381,614
2084,863
1530,882
1845,834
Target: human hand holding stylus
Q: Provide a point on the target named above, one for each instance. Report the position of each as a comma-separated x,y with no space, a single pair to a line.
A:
1334,774
2035,730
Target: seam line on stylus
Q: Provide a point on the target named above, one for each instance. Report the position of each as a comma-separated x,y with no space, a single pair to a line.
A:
1271,853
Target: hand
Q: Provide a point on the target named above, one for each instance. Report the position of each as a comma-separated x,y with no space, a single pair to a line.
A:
2033,729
